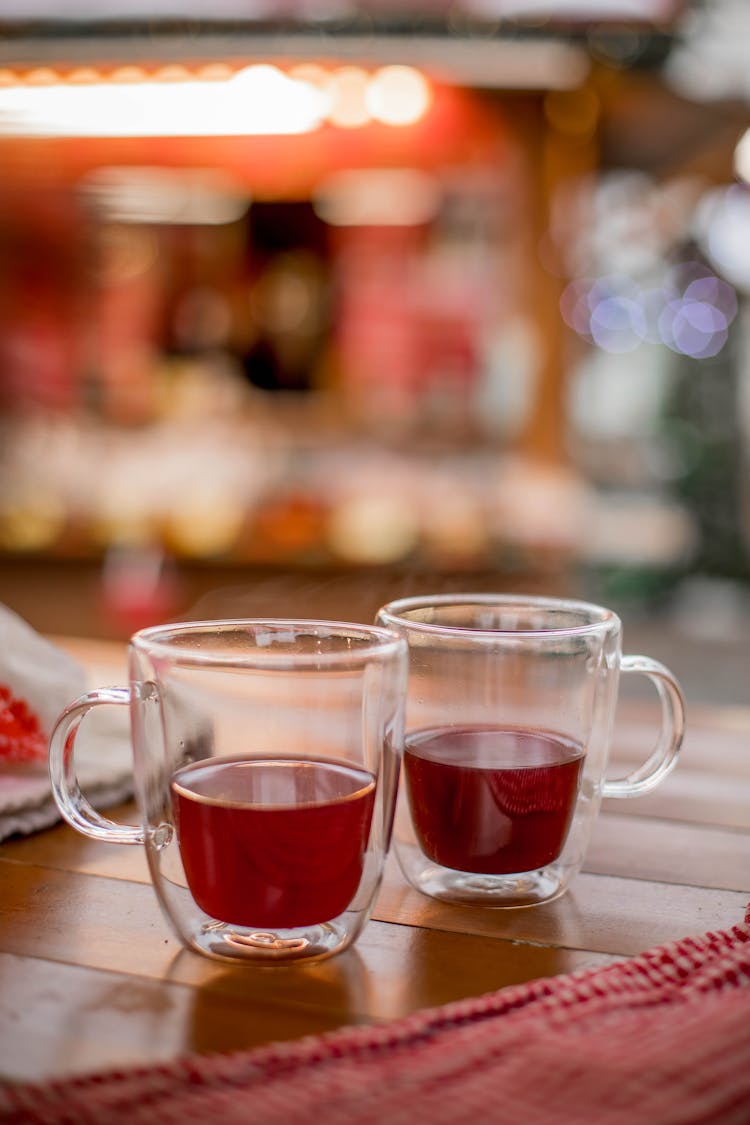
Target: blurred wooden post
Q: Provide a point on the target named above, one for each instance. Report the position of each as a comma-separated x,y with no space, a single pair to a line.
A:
558,132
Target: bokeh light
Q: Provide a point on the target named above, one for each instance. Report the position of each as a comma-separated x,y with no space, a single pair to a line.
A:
693,328
617,324
691,312
723,229
348,95
398,95
258,99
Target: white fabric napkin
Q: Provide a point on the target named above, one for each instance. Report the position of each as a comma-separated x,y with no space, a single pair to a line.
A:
37,680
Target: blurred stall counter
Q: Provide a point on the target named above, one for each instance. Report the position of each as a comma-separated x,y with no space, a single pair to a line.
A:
75,597
309,494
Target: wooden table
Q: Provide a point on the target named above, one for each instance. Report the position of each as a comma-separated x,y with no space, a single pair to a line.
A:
91,976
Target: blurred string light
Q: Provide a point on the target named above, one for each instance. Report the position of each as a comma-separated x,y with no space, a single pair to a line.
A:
378,197
722,227
256,100
742,157
210,101
195,196
347,91
690,313
398,95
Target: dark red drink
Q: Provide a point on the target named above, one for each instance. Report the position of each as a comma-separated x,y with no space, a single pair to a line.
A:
272,843
491,800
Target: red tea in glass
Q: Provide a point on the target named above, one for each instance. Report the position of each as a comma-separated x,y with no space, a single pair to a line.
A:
276,843
491,800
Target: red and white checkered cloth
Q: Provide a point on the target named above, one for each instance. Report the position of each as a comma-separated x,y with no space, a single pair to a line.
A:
662,1039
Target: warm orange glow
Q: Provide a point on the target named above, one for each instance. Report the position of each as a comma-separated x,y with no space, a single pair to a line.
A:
172,73
83,75
348,96
42,76
214,72
456,128
313,73
128,74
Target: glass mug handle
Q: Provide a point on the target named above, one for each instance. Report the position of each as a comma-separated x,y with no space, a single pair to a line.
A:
71,802
664,755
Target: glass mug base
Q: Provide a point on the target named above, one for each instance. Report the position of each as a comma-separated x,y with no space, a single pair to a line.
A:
226,942
466,888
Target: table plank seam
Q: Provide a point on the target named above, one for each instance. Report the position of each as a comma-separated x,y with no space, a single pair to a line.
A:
504,939
667,822
663,882
47,866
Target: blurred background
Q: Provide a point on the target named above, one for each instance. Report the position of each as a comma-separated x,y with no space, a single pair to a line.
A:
308,305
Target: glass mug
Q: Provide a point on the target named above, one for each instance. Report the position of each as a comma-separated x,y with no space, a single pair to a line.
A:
266,761
509,717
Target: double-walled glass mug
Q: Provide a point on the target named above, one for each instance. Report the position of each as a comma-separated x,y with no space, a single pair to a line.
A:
266,762
509,720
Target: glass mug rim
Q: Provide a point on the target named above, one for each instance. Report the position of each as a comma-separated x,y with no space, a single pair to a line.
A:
593,618
168,642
